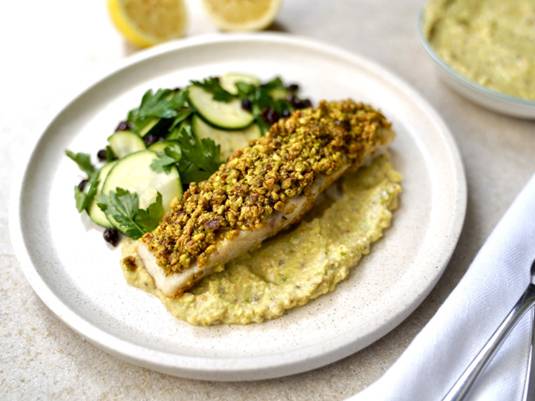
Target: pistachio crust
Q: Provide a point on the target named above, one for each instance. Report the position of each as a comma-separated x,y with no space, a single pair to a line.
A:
260,180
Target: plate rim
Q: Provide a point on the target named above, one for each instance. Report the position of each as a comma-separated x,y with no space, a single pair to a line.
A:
230,368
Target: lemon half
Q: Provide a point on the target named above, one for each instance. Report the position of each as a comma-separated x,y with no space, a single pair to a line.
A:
148,22
242,15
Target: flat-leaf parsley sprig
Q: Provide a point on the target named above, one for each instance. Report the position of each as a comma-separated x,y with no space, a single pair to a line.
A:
122,207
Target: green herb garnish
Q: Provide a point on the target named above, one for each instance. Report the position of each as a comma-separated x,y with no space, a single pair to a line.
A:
196,159
164,103
110,156
213,86
83,198
122,207
201,157
83,160
261,98
181,117
170,157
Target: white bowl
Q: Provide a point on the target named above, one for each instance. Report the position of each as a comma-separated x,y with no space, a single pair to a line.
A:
491,99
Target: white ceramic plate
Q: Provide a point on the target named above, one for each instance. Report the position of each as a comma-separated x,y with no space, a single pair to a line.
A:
79,278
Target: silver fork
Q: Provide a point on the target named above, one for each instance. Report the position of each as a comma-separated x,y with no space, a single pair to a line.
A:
529,383
465,382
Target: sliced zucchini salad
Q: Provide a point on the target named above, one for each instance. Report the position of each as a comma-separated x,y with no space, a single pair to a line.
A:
173,138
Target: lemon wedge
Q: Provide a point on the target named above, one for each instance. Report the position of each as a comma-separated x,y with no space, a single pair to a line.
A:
145,23
242,15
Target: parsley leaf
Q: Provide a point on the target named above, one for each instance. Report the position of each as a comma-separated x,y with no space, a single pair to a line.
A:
83,160
110,156
245,88
170,156
122,206
262,97
150,217
200,157
164,103
181,117
196,159
275,83
213,86
84,198
163,163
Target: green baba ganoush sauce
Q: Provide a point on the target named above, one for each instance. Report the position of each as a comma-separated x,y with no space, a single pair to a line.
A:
296,266
491,42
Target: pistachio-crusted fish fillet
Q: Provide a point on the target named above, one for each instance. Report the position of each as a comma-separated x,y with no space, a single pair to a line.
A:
262,189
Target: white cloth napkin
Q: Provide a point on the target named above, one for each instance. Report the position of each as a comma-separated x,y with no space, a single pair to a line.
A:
468,317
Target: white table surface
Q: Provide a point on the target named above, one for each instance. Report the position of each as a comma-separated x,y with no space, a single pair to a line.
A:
52,49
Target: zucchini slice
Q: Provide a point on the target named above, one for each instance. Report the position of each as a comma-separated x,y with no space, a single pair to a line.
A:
149,126
279,93
159,147
135,174
155,125
229,115
228,81
94,211
125,142
228,140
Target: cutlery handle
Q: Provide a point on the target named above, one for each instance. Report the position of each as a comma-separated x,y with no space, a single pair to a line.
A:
463,385
529,383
